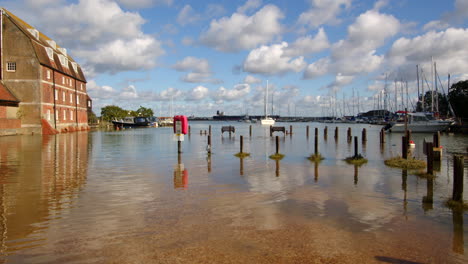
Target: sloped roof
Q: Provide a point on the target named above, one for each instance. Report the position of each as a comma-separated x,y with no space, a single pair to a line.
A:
40,46
6,96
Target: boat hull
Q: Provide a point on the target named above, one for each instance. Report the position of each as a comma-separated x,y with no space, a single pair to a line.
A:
267,122
427,127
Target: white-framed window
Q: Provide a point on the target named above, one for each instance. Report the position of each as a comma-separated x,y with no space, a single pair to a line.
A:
48,75
56,115
71,114
89,103
63,96
71,98
81,85
48,114
77,99
64,114
11,66
56,95
63,80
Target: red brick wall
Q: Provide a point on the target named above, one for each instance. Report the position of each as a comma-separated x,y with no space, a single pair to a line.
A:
9,123
2,111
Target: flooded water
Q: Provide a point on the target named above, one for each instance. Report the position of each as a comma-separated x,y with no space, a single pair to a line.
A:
128,197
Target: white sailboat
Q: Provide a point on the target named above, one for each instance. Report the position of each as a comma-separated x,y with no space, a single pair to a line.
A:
267,120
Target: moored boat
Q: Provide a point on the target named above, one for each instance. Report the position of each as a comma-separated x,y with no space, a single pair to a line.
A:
419,123
132,122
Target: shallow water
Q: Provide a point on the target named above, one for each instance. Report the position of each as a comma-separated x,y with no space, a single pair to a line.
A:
127,196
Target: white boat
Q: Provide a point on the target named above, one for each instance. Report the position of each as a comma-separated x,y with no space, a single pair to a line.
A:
268,121
419,123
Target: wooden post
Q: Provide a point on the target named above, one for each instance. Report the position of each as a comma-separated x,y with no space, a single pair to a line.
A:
241,144
316,142
355,147
189,130
307,131
404,147
290,130
201,132
325,132
458,171
209,143
277,144
436,139
437,148
209,129
349,134
364,135
179,146
336,133
382,136
430,158
271,131
250,130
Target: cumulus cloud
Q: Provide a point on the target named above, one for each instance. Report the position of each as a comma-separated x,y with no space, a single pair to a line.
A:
340,81
129,93
198,68
249,5
323,12
251,79
448,48
357,53
308,45
459,14
272,60
198,93
223,94
167,95
188,16
99,92
238,32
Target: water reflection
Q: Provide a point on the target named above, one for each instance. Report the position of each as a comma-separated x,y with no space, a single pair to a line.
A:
42,185
458,231
428,199
180,174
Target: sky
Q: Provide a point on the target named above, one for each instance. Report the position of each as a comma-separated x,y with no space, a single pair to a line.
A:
319,57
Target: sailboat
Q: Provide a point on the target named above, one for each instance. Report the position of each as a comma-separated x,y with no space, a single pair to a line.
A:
267,120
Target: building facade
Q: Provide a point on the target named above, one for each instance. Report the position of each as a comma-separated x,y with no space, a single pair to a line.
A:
42,89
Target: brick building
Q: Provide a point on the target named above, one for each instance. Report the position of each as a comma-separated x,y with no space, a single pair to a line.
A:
42,89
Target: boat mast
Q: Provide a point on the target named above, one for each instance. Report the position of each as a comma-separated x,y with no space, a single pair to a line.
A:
396,96
422,91
266,101
436,89
417,78
432,86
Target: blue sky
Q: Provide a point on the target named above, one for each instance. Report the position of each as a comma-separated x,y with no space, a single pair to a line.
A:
205,56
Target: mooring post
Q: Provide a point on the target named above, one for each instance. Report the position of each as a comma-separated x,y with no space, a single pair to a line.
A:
355,147
209,143
382,136
307,131
271,131
404,147
349,134
290,130
316,142
437,148
250,130
241,144
277,144
458,170
189,130
430,158
336,133
201,132
325,132
364,135
179,146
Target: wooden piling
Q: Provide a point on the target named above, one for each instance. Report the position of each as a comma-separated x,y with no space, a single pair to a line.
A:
209,129
356,147
277,144
307,131
336,133
271,131
404,147
437,148
209,143
325,132
316,142
458,170
436,139
290,130
201,132
189,130
179,146
250,130
382,136
241,144
349,136
430,158
364,135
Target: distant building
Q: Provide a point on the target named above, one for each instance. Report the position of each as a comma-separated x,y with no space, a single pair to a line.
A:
42,89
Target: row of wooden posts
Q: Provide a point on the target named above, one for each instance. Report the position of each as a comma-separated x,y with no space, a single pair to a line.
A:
431,149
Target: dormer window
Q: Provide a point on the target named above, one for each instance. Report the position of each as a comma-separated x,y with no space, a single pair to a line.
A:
75,66
63,60
50,53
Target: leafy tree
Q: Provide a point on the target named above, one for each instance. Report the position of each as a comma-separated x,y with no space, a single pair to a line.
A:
458,97
443,103
92,118
143,111
111,112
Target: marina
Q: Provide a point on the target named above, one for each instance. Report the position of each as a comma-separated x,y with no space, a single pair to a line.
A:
129,196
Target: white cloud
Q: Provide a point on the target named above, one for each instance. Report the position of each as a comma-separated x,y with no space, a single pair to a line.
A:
239,31
194,77
167,95
223,94
251,79
308,45
448,48
193,64
187,16
198,93
357,53
323,12
129,93
436,25
100,92
340,81
249,5
459,14
187,41
272,60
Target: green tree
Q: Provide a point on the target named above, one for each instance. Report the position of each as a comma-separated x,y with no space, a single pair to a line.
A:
110,112
458,97
92,118
443,103
143,111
